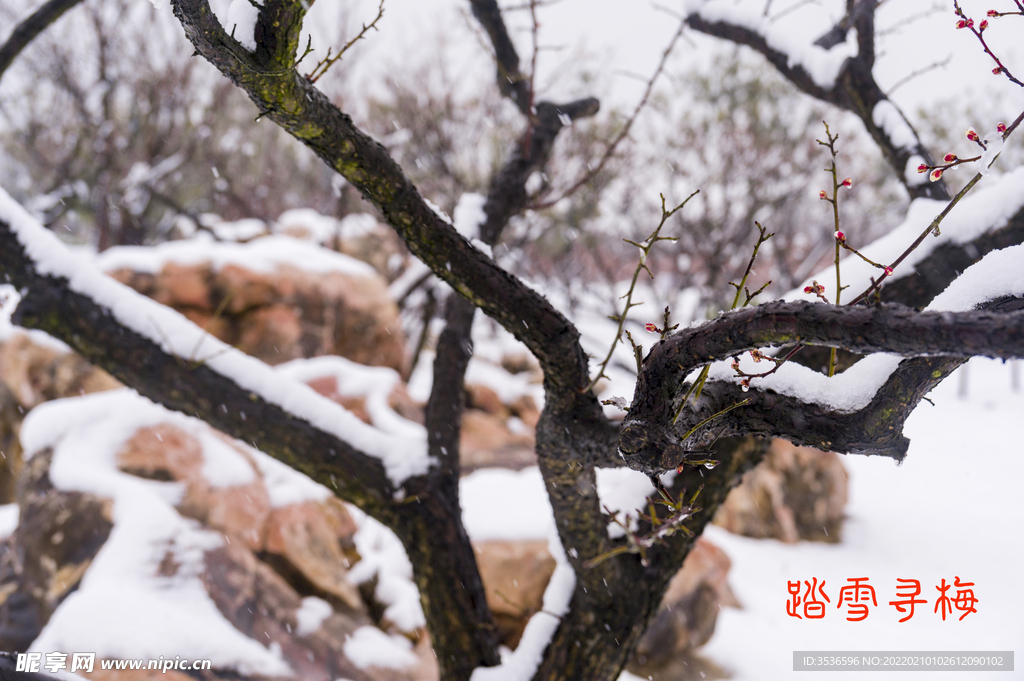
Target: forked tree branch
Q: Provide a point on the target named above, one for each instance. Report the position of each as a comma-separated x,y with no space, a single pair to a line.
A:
939,341
296,105
854,90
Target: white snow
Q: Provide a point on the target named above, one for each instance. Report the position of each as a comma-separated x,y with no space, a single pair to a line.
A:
374,383
1000,273
506,385
241,22
285,485
822,65
949,510
848,391
520,664
402,457
311,615
487,495
122,592
223,466
469,214
382,555
8,520
370,647
887,117
264,254
993,145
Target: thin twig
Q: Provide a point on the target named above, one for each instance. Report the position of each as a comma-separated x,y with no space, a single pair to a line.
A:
593,170
327,62
645,250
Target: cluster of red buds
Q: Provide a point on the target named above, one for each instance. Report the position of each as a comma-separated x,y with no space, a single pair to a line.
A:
848,183
758,357
952,160
965,21
817,289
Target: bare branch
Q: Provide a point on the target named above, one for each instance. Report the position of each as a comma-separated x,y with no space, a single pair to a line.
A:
855,88
49,304
30,28
306,113
942,341
511,82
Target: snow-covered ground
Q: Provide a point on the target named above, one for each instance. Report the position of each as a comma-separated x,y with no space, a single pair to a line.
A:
953,509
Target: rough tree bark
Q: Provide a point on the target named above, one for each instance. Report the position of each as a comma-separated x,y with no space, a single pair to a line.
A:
612,602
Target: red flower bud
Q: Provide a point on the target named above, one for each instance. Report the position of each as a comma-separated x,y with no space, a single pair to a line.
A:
923,168
997,70
888,271
651,328
949,158
1001,127
983,25
840,236
808,289
936,174
822,194
847,183
993,13
968,23
971,135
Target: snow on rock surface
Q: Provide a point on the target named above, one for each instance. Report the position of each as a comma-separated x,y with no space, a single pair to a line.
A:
520,664
353,379
311,615
122,588
259,255
383,556
402,457
371,647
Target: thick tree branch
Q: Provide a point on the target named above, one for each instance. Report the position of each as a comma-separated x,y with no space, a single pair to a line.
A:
305,112
855,88
883,328
506,198
49,304
939,341
27,30
511,82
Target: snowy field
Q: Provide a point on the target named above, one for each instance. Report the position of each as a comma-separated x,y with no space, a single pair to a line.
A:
954,508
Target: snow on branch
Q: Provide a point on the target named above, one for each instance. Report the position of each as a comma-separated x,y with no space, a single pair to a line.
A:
836,68
859,411
983,211
796,54
173,362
